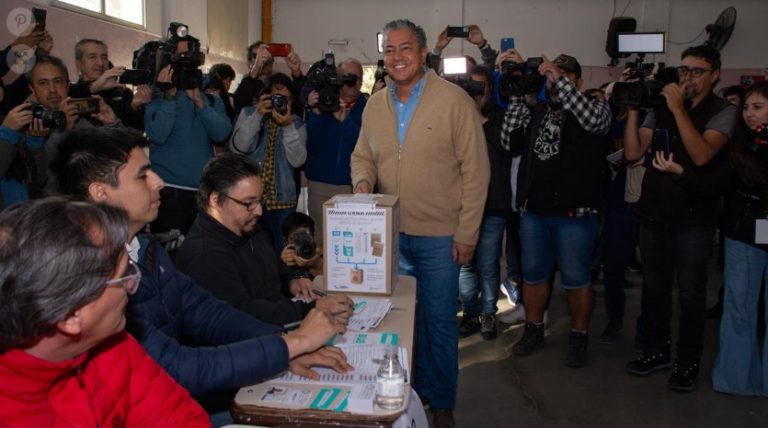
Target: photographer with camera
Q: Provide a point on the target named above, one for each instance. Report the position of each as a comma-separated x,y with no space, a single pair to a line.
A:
302,254
227,253
183,124
260,65
331,138
559,194
96,77
677,223
15,86
49,81
23,163
275,137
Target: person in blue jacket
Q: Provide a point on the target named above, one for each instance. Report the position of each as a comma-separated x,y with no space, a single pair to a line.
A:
207,346
182,124
331,138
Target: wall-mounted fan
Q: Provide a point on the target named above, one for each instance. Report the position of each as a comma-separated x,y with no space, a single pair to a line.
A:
721,30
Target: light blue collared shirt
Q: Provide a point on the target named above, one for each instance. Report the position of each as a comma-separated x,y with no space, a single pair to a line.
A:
404,110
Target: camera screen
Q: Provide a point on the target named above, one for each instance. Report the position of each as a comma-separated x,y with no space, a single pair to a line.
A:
642,42
456,65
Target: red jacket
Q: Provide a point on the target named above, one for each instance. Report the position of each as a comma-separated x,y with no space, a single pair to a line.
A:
115,384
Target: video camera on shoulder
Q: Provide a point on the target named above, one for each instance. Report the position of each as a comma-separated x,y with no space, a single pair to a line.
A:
518,79
180,50
324,78
455,71
645,93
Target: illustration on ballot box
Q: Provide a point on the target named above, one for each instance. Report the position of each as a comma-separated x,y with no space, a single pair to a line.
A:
361,243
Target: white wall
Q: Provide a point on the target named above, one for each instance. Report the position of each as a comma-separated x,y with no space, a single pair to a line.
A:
539,27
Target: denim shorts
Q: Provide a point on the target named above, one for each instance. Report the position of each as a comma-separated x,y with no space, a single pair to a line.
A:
570,240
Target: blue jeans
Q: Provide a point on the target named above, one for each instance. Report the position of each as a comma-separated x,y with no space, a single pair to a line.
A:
674,252
430,260
570,240
738,367
272,220
512,248
483,274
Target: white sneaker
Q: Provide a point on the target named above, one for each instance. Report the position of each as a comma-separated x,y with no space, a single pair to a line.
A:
514,316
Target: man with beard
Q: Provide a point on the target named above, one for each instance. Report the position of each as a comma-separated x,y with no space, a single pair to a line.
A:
677,222
232,257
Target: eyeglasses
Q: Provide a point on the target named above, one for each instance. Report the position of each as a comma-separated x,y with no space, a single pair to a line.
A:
248,205
682,71
130,281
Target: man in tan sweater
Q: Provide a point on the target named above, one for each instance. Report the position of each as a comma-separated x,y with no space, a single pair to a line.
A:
422,139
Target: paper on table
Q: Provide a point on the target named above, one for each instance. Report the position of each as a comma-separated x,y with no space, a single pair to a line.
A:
369,312
365,338
364,358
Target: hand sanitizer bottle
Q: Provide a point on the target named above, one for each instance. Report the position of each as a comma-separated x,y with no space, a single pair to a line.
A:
390,381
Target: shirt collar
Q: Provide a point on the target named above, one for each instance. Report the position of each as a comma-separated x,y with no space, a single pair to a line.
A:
416,91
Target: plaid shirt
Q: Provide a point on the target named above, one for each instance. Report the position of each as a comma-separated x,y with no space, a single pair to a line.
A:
269,198
594,116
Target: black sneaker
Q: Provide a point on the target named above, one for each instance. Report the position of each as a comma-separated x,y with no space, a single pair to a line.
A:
649,362
469,326
577,349
488,326
610,335
532,340
684,376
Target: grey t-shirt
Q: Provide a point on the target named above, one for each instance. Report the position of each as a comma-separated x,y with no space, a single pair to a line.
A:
725,121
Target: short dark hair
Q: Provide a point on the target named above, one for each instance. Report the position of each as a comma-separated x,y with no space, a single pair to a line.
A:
82,42
221,173
279,79
296,220
55,257
221,71
43,58
252,46
733,90
708,53
92,155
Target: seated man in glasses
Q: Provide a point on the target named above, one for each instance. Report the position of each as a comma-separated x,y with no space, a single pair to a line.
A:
231,256
208,346
65,360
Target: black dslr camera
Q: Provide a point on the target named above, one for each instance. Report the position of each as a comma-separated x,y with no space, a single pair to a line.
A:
517,79
279,103
323,78
303,243
52,119
155,55
647,92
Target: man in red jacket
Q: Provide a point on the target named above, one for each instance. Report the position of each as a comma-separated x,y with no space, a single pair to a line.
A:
65,360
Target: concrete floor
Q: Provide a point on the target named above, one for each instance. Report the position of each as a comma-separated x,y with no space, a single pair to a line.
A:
497,389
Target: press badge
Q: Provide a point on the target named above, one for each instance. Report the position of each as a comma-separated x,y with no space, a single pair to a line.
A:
761,231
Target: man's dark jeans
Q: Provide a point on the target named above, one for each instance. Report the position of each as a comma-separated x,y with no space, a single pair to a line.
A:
675,252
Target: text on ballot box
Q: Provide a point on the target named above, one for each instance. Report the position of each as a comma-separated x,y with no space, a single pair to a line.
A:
360,238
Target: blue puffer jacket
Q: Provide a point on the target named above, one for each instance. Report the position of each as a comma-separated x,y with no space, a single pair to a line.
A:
204,344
